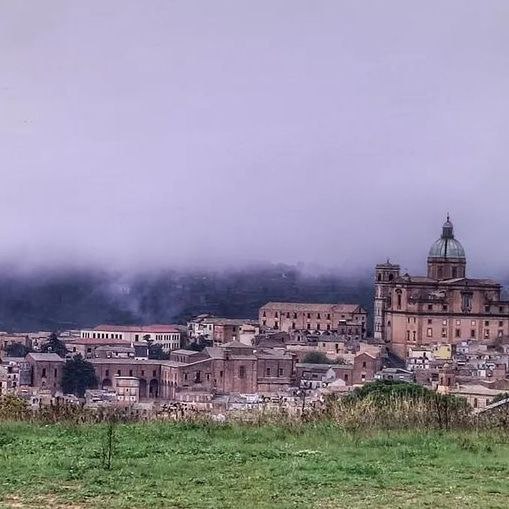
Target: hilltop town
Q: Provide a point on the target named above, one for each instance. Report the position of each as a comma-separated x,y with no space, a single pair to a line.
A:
445,331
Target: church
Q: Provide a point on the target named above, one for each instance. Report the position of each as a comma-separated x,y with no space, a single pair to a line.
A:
445,306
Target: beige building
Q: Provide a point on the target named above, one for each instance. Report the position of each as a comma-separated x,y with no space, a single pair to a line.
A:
345,319
168,336
127,389
444,306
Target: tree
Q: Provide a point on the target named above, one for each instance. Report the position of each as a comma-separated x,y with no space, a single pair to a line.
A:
17,350
155,351
500,397
316,358
78,375
54,345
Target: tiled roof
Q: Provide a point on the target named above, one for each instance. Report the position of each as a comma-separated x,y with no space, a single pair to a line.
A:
303,306
45,357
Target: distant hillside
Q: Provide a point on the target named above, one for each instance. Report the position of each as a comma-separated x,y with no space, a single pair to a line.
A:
78,299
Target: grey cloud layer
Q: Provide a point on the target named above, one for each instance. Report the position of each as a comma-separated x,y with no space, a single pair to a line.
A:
330,132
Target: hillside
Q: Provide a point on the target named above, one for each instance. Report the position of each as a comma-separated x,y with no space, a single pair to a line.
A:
75,299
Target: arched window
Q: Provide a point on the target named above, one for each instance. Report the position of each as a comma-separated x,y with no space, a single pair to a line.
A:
391,277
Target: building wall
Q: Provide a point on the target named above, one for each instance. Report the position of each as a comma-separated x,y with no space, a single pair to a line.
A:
412,323
316,317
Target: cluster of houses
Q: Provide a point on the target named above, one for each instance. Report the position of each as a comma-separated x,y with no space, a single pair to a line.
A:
292,351
209,360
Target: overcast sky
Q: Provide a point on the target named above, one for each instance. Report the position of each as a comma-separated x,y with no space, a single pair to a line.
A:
334,133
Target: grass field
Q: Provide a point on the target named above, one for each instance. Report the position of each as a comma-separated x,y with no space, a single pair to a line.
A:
185,466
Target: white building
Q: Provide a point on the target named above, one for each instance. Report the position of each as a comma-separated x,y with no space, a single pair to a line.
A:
168,336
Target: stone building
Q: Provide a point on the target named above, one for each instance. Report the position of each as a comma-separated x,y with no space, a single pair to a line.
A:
345,319
445,306
46,371
234,368
223,330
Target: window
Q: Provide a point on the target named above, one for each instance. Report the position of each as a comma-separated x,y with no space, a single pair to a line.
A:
346,377
328,326
364,364
287,315
475,403
500,333
55,372
501,309
457,333
295,315
444,333
473,323
107,373
119,373
130,372
430,321
154,373
43,372
185,376
142,372
430,307
268,371
328,316
264,322
444,322
472,333
264,314
309,316
293,325
486,323
399,300
458,322
454,272
413,336
318,316
242,372
500,324
429,332
309,326
275,315
444,307
487,309
276,325
317,326
281,371
220,374
486,333
408,335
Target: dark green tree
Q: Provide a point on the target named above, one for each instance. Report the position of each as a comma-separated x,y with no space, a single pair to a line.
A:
54,345
17,350
155,351
316,358
78,375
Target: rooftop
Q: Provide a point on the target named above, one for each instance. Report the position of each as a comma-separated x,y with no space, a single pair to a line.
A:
304,306
45,357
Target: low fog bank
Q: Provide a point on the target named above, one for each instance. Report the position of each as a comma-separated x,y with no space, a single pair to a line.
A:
74,298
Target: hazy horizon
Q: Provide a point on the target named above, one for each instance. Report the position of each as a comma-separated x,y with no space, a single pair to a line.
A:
333,134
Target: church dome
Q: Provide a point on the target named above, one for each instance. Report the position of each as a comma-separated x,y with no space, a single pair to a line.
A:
447,246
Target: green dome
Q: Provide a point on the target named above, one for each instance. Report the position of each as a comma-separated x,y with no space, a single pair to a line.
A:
447,246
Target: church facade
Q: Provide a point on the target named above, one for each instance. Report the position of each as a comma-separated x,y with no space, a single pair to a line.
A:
445,306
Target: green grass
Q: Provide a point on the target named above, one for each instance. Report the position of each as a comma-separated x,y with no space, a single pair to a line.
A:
200,466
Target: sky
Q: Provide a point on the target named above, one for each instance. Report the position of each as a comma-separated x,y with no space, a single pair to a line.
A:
328,133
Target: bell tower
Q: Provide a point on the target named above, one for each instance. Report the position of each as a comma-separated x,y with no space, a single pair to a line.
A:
385,277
